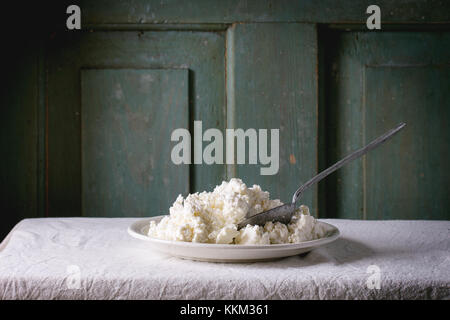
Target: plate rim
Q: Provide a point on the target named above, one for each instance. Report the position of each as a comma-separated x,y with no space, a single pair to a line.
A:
334,234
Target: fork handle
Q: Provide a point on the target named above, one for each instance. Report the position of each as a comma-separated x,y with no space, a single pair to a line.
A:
352,156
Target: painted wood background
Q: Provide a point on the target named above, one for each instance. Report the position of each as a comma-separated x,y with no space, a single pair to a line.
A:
309,68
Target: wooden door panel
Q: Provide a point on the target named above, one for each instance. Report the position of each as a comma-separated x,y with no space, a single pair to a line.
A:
199,55
125,116
375,81
407,178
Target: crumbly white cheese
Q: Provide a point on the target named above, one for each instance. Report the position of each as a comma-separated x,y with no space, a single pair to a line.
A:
212,217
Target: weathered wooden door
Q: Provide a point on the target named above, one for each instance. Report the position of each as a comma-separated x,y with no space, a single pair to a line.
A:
88,113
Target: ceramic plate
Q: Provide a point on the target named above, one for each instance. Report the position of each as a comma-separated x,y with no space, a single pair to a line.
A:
227,252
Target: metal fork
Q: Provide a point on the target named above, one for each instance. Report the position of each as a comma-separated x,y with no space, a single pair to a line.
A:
284,213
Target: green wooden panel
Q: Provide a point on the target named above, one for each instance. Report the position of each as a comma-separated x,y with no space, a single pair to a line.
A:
409,177
125,116
202,53
276,88
230,11
375,81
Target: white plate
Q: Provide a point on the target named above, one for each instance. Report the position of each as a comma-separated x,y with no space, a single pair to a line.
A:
227,252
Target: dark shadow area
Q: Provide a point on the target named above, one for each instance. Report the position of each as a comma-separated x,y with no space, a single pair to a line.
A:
328,49
26,25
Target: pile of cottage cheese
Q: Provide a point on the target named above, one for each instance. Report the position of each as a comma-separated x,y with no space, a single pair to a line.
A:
212,217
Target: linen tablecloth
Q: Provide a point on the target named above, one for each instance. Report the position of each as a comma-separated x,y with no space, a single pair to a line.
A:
95,258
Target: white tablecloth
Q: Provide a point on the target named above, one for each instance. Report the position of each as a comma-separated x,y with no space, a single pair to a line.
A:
95,258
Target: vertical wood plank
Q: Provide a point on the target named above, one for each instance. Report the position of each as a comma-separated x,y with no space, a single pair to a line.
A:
343,96
276,88
63,158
